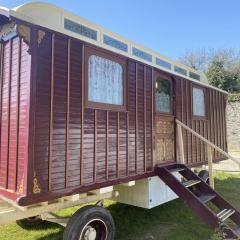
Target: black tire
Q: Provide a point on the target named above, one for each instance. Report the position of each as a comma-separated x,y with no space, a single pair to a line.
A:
30,222
88,220
204,175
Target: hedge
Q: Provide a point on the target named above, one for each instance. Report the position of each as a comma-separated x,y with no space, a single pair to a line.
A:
234,97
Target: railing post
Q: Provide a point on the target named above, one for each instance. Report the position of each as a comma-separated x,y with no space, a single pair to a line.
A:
210,165
180,144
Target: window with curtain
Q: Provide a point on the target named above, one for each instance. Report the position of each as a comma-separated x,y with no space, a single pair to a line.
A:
198,102
105,81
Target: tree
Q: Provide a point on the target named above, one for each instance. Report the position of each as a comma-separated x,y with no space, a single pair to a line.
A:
222,66
197,59
222,78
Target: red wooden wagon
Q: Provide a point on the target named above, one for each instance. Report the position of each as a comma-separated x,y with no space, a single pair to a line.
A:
86,115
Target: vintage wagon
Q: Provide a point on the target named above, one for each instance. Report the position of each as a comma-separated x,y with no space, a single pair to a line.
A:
86,115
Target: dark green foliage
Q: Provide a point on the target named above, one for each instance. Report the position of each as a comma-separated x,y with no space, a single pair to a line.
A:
219,76
234,97
222,66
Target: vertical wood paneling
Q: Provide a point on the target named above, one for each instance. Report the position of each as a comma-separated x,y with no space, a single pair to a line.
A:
122,145
43,128
17,110
51,114
149,119
88,150
211,128
82,120
152,120
5,115
68,112
140,118
101,145
107,146
13,116
59,131
95,145
132,116
117,147
9,112
127,147
24,102
75,115
1,98
136,119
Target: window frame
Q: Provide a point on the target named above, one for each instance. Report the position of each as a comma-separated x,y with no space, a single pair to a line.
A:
197,117
167,78
89,51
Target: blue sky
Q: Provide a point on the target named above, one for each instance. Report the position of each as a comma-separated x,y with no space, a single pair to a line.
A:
170,27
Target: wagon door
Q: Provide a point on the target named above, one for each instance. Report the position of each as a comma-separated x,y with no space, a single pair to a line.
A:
164,120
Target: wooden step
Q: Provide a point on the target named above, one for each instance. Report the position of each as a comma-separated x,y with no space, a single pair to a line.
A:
225,214
191,183
204,198
237,231
173,170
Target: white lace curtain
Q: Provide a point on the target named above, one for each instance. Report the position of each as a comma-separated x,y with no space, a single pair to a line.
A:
198,102
105,81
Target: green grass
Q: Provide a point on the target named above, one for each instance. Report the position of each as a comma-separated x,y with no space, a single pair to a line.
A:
173,220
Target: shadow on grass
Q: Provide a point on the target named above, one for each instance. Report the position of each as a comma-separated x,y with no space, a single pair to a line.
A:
228,185
173,220
133,223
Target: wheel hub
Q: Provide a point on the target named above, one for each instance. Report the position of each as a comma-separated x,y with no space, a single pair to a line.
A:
90,234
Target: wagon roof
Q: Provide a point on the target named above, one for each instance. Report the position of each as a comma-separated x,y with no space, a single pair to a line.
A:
57,19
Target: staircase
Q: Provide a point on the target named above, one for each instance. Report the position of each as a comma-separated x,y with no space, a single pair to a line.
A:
198,195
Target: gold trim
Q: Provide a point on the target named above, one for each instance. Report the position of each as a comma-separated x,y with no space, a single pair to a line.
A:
41,35
25,33
21,186
36,187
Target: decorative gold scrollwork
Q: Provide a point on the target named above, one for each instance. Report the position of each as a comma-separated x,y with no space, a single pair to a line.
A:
41,35
36,187
21,186
24,32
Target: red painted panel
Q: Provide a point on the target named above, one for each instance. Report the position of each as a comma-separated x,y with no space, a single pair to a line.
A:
42,115
13,111
59,114
5,115
24,103
74,144
15,89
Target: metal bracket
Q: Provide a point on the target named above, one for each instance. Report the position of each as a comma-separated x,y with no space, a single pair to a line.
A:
51,217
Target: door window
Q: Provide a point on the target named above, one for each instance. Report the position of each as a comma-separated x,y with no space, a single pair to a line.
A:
163,95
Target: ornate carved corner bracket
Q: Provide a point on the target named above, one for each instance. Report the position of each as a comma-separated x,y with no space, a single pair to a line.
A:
25,33
41,35
8,31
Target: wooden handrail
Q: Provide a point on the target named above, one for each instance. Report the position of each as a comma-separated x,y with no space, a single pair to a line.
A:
208,142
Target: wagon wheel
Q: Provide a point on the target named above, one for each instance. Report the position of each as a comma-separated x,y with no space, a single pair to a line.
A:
90,223
30,222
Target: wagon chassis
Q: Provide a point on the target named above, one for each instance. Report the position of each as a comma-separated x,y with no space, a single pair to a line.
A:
10,211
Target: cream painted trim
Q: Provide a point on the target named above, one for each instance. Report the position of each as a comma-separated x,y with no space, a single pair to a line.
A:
52,17
10,212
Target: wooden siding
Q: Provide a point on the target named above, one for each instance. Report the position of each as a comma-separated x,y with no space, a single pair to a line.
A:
68,147
77,146
213,127
14,108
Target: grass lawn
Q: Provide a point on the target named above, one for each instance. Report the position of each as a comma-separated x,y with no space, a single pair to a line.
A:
173,220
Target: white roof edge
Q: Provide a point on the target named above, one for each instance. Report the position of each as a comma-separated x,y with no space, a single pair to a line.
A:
34,13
